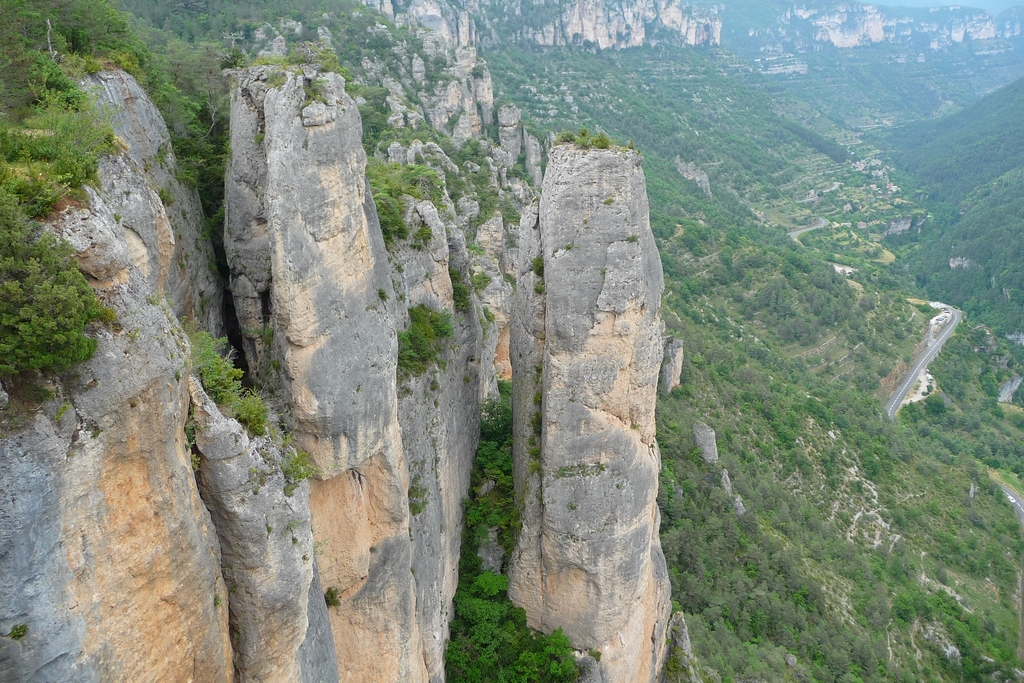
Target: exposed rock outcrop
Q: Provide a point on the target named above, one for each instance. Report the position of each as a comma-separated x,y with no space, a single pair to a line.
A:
619,25
266,547
104,540
1008,388
680,666
706,442
163,231
586,354
692,171
671,365
314,295
508,130
737,500
439,413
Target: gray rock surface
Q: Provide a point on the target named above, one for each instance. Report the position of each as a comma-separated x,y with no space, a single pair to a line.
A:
265,539
508,130
99,242
737,501
104,540
589,559
706,442
492,555
1008,388
186,274
589,669
314,295
726,483
316,655
533,159
671,365
681,667
738,506
691,171
439,413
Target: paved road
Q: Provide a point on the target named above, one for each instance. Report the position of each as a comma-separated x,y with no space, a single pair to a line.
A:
818,223
1018,507
922,362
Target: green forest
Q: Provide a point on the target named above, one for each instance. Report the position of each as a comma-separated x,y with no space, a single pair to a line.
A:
969,170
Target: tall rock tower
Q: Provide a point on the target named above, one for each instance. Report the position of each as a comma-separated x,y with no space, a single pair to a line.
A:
318,313
586,351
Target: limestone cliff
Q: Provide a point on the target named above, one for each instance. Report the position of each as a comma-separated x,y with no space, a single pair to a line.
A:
120,564
619,25
577,22
161,216
439,412
315,300
104,540
586,353
267,554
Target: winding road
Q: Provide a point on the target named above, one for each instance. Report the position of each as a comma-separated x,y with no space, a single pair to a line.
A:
818,223
922,362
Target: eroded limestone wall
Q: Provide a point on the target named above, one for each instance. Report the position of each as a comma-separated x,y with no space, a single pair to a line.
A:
586,354
313,290
109,556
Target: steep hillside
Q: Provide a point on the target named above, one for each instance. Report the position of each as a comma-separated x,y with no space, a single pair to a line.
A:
954,155
968,167
867,65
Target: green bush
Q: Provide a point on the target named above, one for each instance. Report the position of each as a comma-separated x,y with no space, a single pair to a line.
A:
251,412
223,381
297,467
45,302
420,345
390,182
460,290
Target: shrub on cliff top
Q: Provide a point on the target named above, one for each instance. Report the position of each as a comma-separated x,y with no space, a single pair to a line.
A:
584,139
390,182
45,302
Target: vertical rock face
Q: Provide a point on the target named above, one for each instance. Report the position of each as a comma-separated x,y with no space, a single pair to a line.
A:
706,442
164,237
680,666
104,541
508,130
672,365
315,301
586,353
439,412
266,548
309,271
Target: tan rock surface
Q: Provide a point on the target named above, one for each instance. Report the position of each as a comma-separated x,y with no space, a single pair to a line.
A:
586,340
